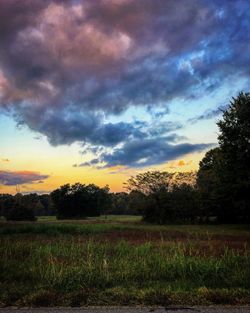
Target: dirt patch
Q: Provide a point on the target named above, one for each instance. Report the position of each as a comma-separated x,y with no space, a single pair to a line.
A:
200,245
192,243
141,236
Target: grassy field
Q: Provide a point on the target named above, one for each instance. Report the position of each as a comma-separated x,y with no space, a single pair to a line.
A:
119,260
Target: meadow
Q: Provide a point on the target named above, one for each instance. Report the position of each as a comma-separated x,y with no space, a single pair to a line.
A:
121,261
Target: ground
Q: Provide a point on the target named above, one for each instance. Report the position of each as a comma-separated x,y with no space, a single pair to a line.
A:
122,261
174,309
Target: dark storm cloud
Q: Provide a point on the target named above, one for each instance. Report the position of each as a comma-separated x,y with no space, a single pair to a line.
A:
66,66
141,153
12,178
133,150
68,126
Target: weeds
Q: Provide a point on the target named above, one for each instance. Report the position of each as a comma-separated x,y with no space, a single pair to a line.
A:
72,268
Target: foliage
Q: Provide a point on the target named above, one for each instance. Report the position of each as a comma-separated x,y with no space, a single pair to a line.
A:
21,208
224,174
119,203
80,201
208,182
185,201
154,181
149,182
234,141
13,207
47,207
165,197
136,201
123,203
6,203
178,205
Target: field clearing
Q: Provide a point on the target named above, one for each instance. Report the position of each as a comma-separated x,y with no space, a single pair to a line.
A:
121,261
102,218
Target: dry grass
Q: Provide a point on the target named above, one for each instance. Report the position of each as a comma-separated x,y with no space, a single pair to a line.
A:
73,264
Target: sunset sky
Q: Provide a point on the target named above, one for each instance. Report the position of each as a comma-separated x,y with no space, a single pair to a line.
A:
97,90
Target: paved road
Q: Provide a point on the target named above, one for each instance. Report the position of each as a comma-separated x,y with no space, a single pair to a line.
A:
217,309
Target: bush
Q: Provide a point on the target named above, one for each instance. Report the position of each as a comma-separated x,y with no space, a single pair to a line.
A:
80,201
21,210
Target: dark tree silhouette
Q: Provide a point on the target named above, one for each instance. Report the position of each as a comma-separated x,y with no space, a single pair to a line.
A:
224,174
21,209
208,182
234,141
80,201
149,182
165,197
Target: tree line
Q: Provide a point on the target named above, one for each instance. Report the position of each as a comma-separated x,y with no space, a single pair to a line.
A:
77,201
219,191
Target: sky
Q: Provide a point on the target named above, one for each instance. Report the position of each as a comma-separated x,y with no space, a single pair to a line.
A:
94,91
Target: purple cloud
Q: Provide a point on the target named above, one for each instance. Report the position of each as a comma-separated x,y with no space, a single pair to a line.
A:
142,153
67,66
12,178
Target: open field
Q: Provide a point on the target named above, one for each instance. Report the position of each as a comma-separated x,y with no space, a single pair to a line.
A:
121,261
102,218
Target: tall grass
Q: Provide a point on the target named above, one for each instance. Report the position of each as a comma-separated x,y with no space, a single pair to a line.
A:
74,263
33,271
53,227
58,229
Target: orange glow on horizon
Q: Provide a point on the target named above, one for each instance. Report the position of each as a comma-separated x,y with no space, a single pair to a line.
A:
61,173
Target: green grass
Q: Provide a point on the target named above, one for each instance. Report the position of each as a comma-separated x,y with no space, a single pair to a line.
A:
58,229
46,219
117,218
52,226
78,263
103,218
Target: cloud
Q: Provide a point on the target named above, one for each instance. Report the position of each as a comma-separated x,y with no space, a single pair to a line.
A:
178,163
103,139
147,152
67,67
37,137
208,114
68,127
93,162
12,178
181,163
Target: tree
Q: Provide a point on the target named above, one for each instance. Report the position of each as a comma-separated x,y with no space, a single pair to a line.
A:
6,203
157,192
208,182
136,202
80,201
158,208
21,209
46,203
119,203
149,182
154,181
224,174
185,203
234,173
60,200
